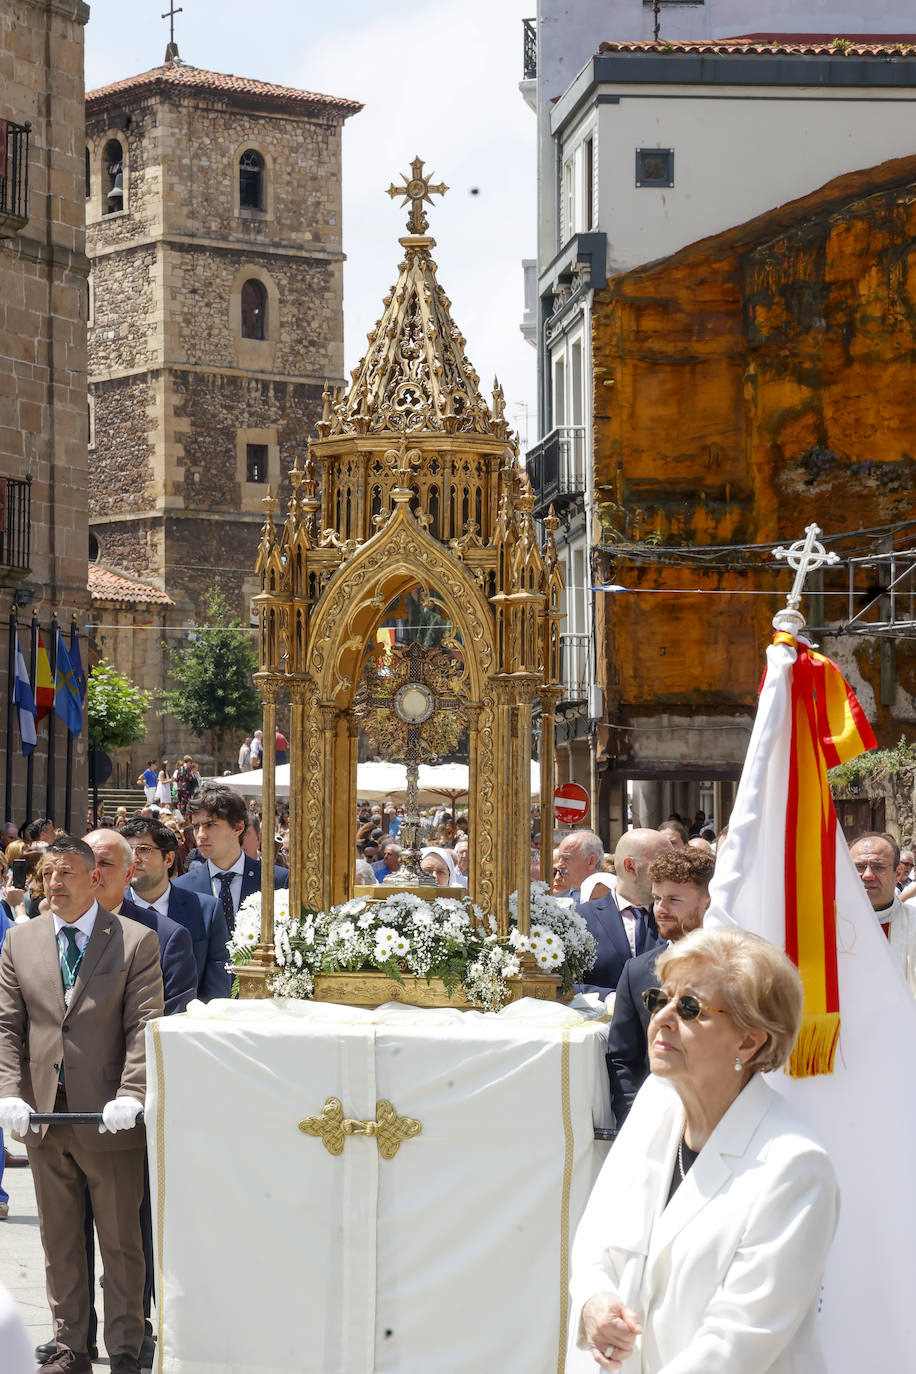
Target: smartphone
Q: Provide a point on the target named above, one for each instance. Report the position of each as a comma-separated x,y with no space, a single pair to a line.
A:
19,873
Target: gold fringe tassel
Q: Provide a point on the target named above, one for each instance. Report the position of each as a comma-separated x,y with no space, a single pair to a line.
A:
816,1045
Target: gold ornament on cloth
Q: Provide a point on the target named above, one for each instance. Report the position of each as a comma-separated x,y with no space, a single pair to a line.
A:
388,1129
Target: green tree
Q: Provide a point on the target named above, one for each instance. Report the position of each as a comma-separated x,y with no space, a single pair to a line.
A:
214,672
115,708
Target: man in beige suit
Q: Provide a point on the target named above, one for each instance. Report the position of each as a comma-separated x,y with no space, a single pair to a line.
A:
77,987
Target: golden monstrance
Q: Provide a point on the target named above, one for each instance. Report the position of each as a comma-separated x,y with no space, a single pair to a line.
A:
412,489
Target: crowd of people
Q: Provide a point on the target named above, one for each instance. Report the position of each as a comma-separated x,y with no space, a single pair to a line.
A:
132,921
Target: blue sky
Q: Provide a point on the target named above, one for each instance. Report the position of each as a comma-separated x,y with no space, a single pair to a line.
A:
438,81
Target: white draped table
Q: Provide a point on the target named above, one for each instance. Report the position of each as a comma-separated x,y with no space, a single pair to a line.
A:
450,1258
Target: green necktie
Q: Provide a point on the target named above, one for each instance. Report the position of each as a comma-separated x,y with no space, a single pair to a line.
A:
70,959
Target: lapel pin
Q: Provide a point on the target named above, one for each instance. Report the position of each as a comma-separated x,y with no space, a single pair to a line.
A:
107,930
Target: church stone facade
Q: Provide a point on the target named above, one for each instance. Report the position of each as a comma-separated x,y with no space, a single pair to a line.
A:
214,235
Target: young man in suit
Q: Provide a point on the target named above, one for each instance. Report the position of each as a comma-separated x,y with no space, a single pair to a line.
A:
680,896
622,921
219,817
156,864
77,987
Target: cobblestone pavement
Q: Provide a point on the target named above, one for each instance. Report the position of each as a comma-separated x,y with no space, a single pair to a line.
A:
22,1265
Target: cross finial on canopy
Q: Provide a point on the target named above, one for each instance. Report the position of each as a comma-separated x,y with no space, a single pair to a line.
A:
417,188
805,556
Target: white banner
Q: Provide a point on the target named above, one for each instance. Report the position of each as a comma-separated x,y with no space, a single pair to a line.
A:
865,1111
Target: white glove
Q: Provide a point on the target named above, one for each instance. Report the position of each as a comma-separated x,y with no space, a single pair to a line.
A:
15,1115
120,1114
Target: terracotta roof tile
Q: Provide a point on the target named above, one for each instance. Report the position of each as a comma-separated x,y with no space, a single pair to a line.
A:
105,585
184,78
796,44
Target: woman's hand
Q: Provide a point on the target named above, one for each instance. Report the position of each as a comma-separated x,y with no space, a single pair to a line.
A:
611,1330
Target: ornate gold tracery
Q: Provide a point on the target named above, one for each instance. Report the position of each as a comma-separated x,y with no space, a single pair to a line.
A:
413,482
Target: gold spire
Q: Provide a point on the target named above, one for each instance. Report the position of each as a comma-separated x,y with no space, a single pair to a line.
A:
415,375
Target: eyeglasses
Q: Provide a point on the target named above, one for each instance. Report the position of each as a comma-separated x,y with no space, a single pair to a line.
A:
143,851
687,1007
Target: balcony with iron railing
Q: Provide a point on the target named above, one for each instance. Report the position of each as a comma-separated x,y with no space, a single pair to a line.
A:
557,468
14,177
529,49
575,666
15,524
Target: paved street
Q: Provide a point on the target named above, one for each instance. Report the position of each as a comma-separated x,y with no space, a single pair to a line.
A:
21,1258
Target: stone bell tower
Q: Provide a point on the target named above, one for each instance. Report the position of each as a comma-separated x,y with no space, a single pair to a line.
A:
413,484
213,208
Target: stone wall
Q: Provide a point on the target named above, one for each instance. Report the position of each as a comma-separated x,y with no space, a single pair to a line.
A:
120,338
43,305
121,459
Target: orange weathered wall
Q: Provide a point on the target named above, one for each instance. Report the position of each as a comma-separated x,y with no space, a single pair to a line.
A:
747,386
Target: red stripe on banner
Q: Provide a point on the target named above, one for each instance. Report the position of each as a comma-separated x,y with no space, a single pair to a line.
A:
831,976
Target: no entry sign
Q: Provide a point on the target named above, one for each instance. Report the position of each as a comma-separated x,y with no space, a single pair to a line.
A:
570,803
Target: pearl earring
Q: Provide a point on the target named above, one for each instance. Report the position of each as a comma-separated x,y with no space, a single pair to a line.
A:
738,1065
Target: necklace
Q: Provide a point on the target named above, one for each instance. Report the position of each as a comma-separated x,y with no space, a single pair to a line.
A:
680,1159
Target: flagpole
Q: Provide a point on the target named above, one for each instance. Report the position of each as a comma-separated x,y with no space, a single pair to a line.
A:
10,683
30,762
49,778
68,800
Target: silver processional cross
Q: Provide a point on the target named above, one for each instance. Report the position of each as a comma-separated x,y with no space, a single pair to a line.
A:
805,556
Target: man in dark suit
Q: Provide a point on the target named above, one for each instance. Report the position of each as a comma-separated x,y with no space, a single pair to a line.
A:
680,896
219,817
114,860
156,863
622,921
77,987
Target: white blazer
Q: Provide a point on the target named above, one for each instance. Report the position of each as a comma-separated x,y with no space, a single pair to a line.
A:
726,1278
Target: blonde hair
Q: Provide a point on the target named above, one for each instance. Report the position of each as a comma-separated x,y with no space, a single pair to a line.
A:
762,988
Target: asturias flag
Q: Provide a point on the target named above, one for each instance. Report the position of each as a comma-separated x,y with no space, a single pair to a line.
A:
67,702
44,682
785,872
77,662
25,703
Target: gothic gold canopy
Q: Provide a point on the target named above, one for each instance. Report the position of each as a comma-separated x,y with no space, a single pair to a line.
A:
413,484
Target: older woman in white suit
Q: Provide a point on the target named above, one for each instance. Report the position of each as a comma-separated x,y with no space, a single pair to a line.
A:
703,1243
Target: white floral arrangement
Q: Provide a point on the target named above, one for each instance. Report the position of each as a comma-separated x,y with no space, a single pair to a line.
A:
411,935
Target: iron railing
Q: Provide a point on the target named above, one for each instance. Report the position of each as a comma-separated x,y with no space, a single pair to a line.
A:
529,49
14,177
575,666
557,468
15,522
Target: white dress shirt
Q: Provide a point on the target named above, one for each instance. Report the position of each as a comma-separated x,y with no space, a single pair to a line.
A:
84,925
160,905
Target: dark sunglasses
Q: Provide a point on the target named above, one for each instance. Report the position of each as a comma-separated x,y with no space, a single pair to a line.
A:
687,1007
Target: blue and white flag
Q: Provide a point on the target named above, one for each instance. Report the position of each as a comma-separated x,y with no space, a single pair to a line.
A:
22,696
67,702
